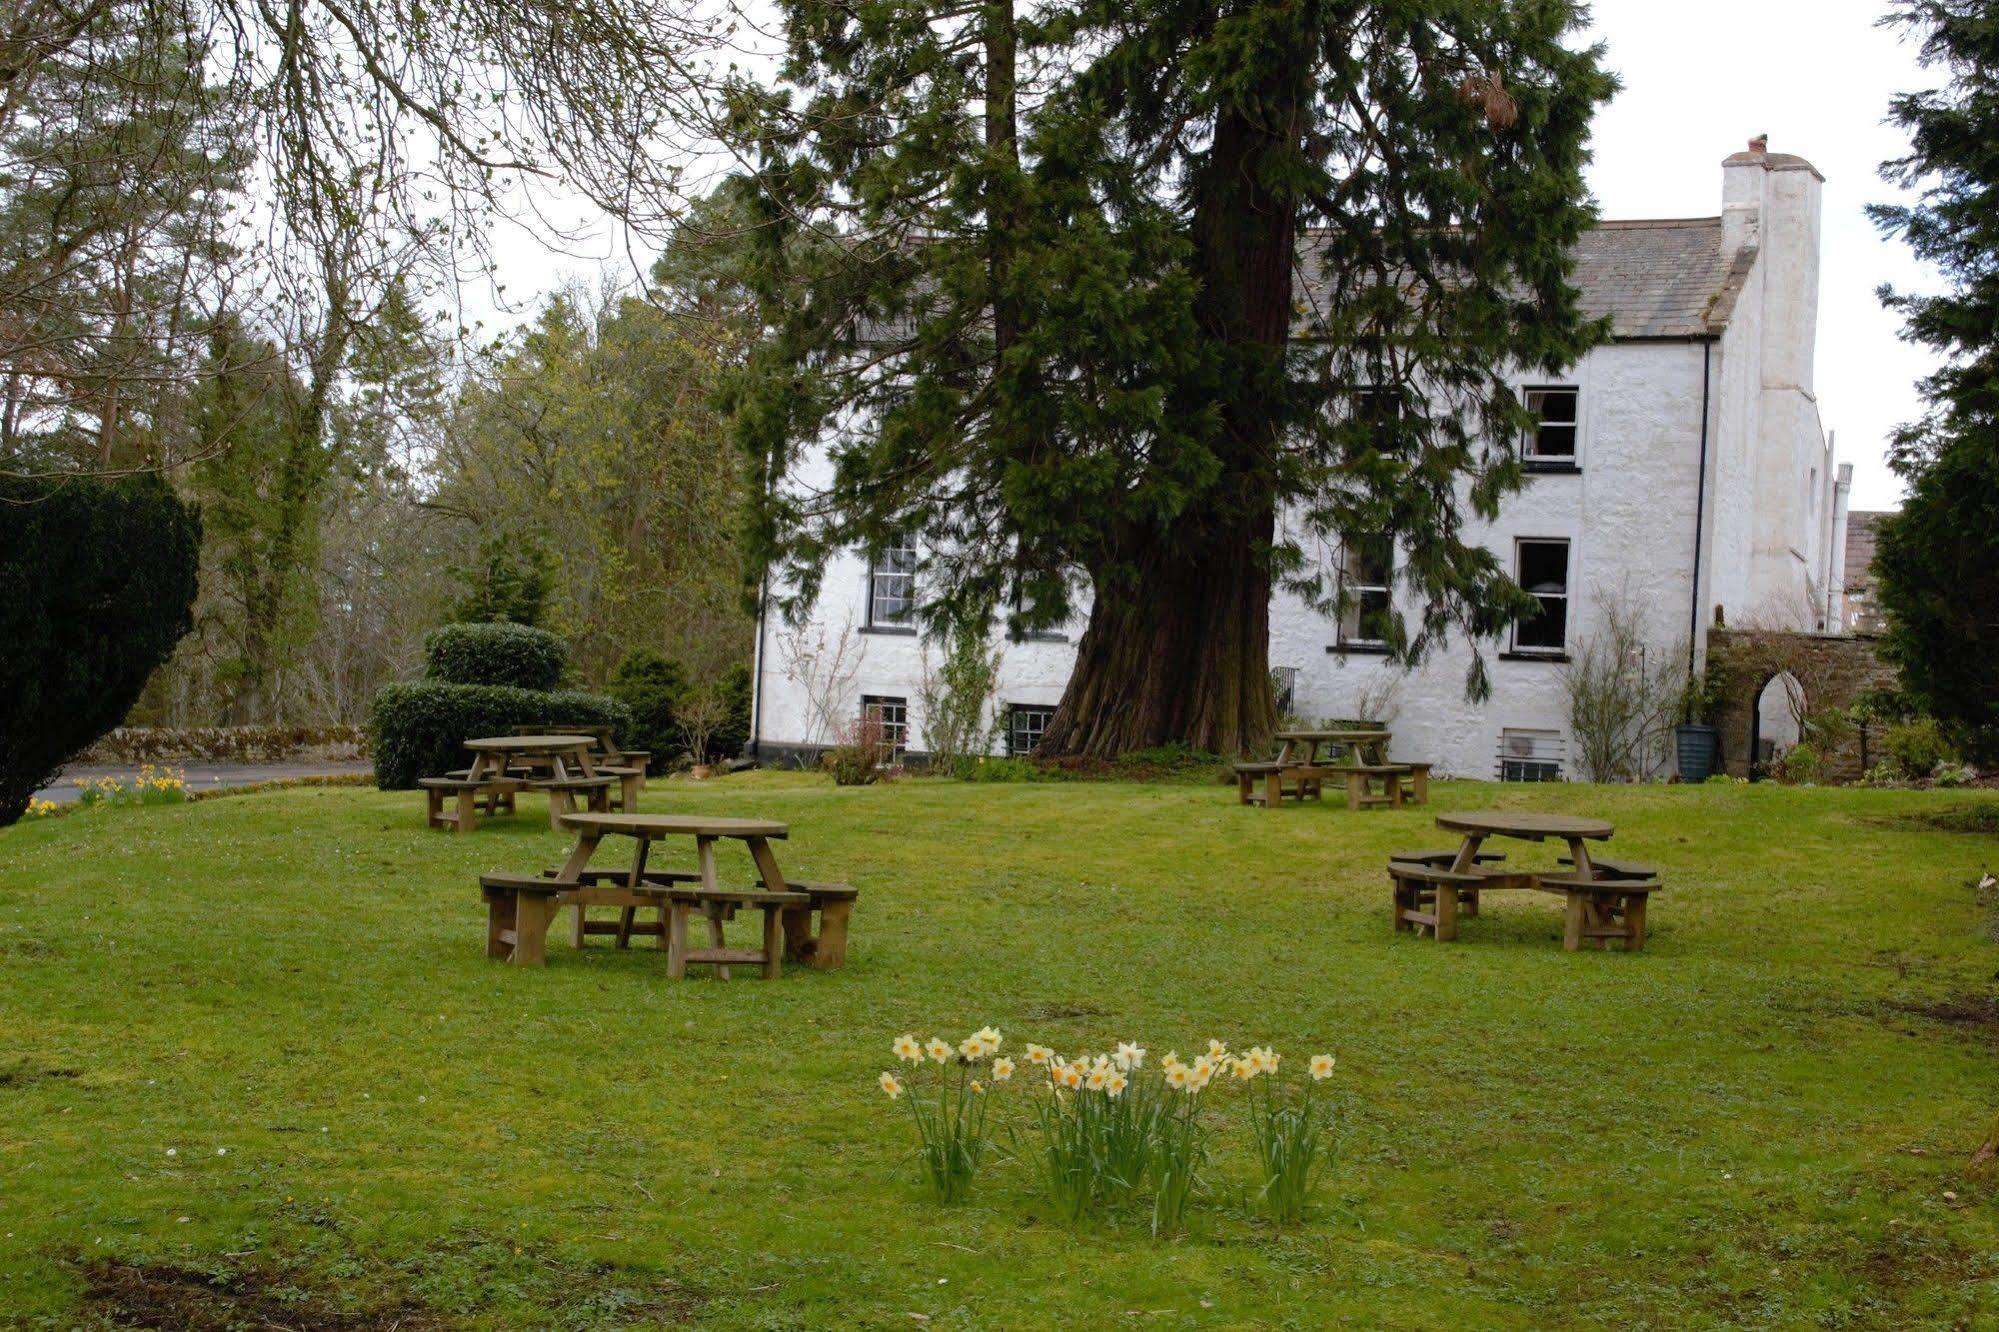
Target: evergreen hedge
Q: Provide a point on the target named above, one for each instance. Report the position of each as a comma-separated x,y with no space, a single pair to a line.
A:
98,578
420,728
495,654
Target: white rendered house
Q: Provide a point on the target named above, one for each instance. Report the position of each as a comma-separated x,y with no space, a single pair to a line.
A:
1681,468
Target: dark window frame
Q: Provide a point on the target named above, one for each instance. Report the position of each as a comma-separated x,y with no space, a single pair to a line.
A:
895,729
1564,597
1015,714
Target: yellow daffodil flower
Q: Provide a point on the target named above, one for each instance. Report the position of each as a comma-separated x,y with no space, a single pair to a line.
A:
891,1085
1321,1067
908,1049
1002,1069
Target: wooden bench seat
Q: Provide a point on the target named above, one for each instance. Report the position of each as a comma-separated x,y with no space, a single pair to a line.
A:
469,798
562,795
1444,857
1361,778
1259,784
1601,910
1428,897
717,906
825,948
519,908
1606,868
1416,790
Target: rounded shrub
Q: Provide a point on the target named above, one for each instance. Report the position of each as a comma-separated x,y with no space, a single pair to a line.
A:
420,729
495,654
99,578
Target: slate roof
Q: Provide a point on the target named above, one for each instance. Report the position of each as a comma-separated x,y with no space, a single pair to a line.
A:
1665,279
1655,279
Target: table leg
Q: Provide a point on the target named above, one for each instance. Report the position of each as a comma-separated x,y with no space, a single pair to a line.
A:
773,877
1579,857
1356,787
628,793
676,939
1467,857
579,857
1273,789
716,939
704,850
468,809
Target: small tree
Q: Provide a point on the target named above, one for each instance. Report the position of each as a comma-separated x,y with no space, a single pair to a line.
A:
703,709
99,579
824,666
956,697
1623,697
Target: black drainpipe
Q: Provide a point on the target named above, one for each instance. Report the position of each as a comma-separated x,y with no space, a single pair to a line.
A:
1700,509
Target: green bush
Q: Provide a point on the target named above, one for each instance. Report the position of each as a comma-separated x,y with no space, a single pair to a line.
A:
420,729
1800,765
732,737
1917,747
651,684
99,576
495,654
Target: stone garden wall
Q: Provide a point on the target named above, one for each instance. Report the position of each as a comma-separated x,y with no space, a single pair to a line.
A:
1834,670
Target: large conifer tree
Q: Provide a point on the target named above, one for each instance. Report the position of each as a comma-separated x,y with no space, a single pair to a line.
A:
1938,559
1159,300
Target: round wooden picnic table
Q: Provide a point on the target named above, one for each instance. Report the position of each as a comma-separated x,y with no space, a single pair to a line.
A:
784,908
1530,824
1374,742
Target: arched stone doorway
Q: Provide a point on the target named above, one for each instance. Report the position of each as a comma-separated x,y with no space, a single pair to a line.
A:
1835,671
1777,722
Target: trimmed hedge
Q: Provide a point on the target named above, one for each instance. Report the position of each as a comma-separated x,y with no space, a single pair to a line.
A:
495,654
420,729
98,577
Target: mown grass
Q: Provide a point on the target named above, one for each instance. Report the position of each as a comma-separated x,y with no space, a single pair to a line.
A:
1759,1121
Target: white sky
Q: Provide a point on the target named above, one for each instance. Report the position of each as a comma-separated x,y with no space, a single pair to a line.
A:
1701,77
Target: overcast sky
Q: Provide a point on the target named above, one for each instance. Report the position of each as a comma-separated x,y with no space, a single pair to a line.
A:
1701,77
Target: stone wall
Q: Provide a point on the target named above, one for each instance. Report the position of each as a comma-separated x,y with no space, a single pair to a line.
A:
1835,670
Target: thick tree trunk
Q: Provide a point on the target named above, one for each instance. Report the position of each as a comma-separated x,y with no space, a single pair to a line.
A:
1178,645
1178,651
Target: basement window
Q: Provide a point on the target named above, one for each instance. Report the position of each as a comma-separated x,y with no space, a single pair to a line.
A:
893,714
1551,445
1026,723
1530,756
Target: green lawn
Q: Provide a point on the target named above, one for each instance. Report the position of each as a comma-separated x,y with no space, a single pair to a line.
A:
1761,1120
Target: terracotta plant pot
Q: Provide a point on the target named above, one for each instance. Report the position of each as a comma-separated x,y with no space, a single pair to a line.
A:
700,772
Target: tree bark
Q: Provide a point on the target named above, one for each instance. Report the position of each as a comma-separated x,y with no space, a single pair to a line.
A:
1178,649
